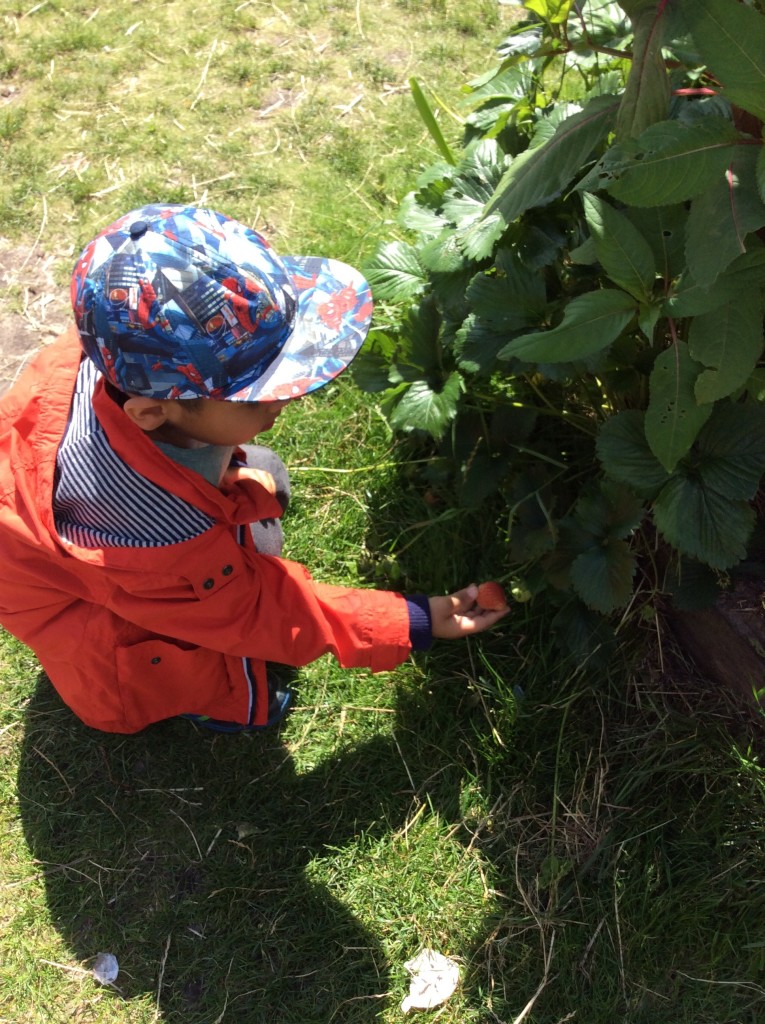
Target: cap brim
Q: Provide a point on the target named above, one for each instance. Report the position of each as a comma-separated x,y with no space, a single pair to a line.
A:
333,316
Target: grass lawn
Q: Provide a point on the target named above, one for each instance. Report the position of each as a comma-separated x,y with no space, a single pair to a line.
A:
587,844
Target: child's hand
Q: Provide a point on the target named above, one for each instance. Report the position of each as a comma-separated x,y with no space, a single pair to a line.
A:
246,474
265,480
458,615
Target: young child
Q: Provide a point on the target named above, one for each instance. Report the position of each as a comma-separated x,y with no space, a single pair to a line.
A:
139,531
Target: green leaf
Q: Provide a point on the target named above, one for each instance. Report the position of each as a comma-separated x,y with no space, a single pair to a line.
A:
442,255
755,386
465,200
731,40
731,450
525,40
512,298
507,80
663,227
492,118
462,210
422,219
476,345
483,477
647,95
693,586
689,298
571,541
395,272
554,12
591,513
423,408
722,217
584,254
484,162
488,296
729,341
648,316
702,523
761,172
611,510
635,8
419,354
538,174
540,244
671,162
622,251
532,527
479,240
433,182
449,293
673,418
370,372
590,323
625,511
553,118
626,456
602,576
429,121
372,366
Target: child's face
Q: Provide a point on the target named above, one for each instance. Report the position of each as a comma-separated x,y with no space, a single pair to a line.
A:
223,423
205,420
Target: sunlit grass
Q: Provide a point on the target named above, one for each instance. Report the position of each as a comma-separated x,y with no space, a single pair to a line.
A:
586,845
295,116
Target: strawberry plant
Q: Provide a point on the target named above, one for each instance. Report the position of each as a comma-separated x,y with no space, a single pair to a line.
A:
576,308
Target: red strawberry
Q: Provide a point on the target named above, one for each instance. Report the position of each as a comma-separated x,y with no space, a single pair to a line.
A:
491,597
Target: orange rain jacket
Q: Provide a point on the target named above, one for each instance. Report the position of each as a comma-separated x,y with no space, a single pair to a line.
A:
129,636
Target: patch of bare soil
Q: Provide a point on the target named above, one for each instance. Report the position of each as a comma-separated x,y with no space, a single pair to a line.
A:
28,277
8,93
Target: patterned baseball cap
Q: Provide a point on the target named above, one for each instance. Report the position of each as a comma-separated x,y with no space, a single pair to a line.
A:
181,302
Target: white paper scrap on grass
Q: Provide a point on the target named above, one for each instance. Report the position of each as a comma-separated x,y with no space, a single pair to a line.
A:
106,968
434,978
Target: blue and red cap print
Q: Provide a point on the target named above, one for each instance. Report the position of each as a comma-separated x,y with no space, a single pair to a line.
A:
181,302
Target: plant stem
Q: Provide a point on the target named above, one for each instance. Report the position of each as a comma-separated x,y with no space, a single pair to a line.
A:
694,92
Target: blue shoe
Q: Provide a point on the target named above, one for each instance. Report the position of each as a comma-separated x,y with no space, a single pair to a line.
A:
278,705
215,724
279,700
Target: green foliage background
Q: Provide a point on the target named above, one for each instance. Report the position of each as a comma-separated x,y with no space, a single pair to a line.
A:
587,270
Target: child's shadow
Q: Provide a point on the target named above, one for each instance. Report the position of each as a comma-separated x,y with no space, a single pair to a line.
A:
206,863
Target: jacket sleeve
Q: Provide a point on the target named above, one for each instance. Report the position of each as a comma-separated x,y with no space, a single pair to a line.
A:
224,597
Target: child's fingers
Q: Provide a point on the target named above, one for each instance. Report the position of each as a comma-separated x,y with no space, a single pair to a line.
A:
458,615
265,479
478,619
463,600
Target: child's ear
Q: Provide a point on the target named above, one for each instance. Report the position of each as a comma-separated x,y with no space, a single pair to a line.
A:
147,413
